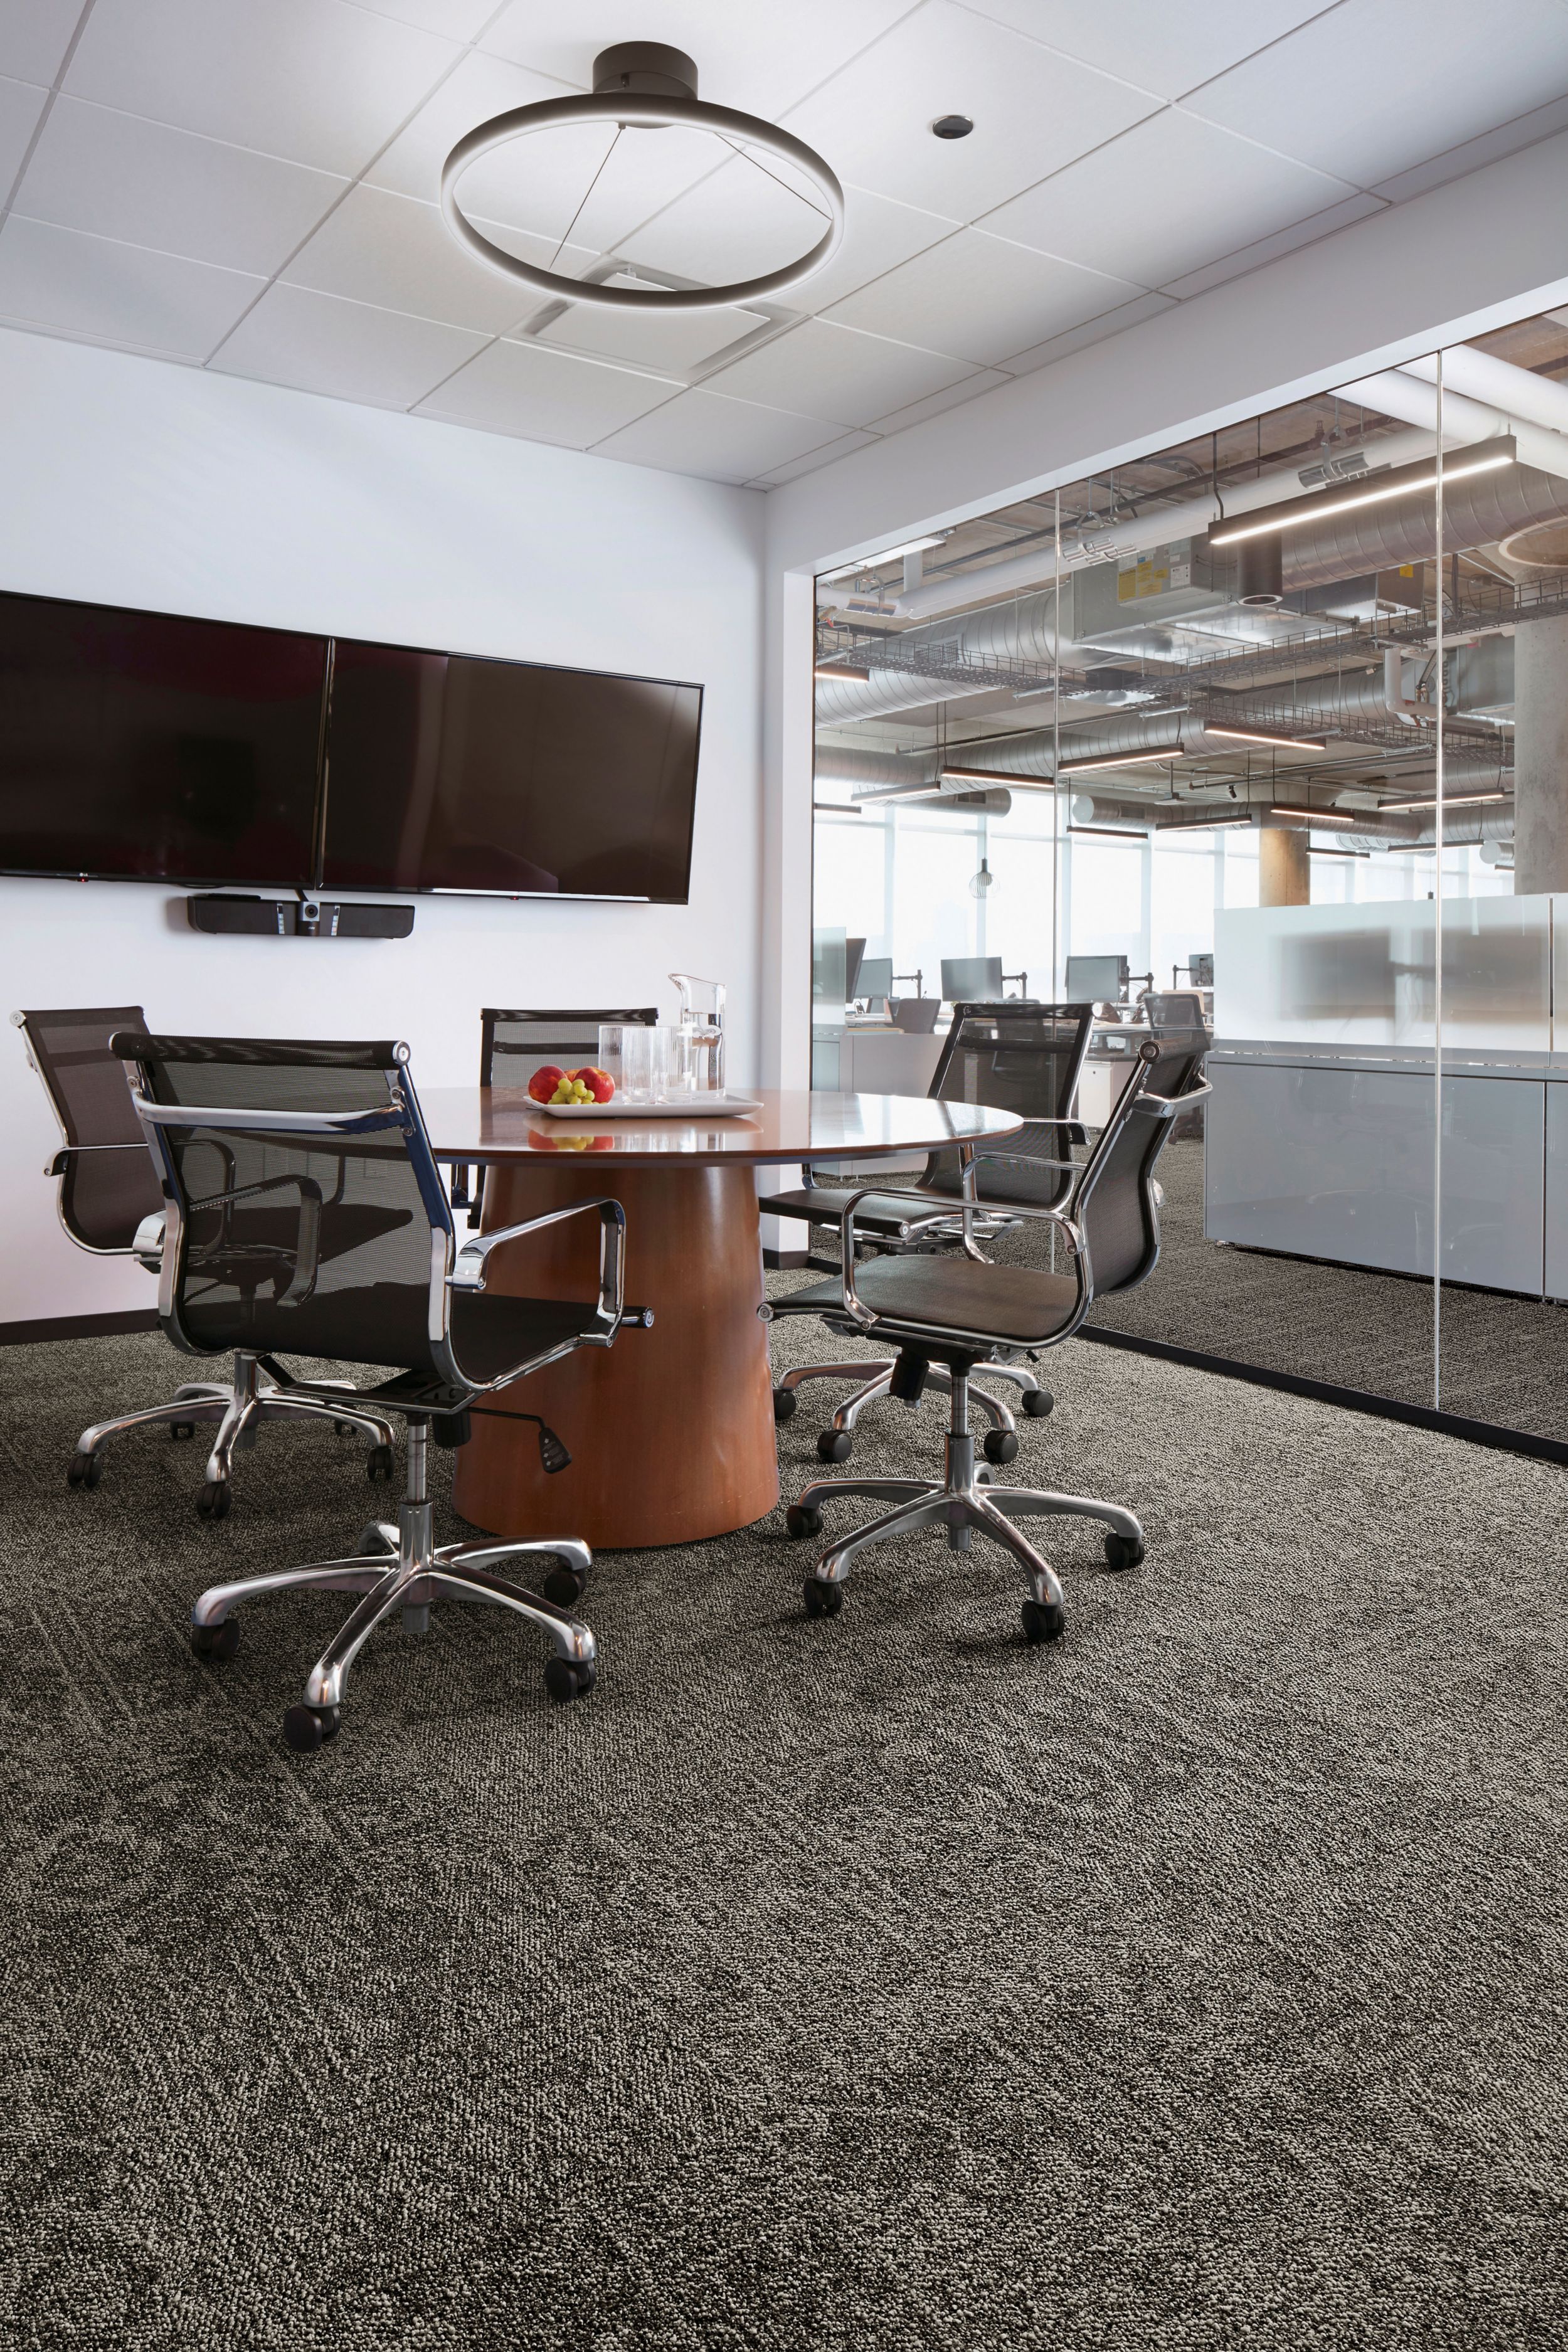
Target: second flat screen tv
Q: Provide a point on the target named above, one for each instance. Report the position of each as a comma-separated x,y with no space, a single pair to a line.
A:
448,772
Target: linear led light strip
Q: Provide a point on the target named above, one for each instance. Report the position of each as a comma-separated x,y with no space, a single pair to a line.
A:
1118,760
1275,742
1450,799
951,775
1402,482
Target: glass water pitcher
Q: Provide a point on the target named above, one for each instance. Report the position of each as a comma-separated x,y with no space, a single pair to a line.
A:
702,1031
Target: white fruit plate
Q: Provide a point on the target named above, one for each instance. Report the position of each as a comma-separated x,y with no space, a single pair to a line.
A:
688,1107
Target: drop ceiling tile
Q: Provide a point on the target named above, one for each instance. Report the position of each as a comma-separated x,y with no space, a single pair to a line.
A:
1367,90
915,411
673,343
1166,197
758,58
475,91
317,81
1508,139
1268,248
838,374
724,440
1092,331
1033,112
740,222
1166,45
543,396
117,175
826,456
20,106
387,249
351,350
35,36
979,298
89,286
455,20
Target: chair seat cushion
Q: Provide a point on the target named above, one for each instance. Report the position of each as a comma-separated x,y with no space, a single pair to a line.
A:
491,1333
1017,1307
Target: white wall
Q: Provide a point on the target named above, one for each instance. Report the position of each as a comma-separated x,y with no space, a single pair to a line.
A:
131,481
1462,258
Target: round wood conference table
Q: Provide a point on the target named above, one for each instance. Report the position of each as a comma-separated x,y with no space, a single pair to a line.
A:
671,1429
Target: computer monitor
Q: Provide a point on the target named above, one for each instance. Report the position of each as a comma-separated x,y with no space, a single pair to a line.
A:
971,980
1202,970
853,952
1095,980
875,977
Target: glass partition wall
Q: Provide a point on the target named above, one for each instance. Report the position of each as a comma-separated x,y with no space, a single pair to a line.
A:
1235,724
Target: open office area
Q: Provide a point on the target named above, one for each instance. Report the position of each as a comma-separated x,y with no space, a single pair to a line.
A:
784,1319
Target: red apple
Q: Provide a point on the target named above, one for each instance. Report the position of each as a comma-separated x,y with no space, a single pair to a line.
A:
599,1083
543,1083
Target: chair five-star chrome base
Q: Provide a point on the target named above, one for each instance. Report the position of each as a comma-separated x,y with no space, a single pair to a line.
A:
418,1572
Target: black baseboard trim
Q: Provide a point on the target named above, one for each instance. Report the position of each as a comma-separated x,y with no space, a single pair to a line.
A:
1415,1416
77,1327
783,1261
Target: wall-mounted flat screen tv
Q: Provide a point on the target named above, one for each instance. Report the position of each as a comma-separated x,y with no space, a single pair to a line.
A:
449,772
147,746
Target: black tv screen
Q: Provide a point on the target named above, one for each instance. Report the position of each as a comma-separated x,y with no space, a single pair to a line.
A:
147,746
449,772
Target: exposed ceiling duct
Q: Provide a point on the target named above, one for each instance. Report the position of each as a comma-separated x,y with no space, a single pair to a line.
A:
842,701
1475,513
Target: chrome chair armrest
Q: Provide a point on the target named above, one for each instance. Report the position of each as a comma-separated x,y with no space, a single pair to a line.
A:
261,1122
147,1241
57,1166
1172,1106
469,1269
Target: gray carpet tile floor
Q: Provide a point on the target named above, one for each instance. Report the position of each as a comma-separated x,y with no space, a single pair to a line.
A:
1198,1982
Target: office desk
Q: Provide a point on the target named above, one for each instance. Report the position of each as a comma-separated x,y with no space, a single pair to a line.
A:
671,1430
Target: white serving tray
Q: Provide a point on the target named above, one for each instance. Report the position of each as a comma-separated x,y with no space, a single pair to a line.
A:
689,1107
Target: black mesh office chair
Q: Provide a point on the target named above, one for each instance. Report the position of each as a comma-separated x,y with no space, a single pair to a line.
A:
1013,1056
110,1192
305,1210
512,1045
956,1311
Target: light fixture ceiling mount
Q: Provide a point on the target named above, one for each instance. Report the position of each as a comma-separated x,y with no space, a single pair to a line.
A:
645,86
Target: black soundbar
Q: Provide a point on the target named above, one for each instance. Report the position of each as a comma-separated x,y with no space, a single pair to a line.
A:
230,913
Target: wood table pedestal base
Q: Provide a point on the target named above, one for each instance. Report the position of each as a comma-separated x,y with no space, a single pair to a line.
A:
671,1430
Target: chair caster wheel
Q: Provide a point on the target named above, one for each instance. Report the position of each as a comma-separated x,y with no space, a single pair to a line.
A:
804,1519
1039,1403
822,1600
84,1470
565,1682
1043,1620
834,1445
784,1402
563,1586
181,1429
306,1729
1123,1551
372,1545
216,1499
219,1641
379,1464
999,1445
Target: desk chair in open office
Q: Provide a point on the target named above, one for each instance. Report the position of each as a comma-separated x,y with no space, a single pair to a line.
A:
512,1045
305,1210
958,1311
1020,1057
111,1203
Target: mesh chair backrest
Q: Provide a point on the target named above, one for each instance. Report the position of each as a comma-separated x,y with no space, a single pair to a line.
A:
299,1243
104,1193
1177,1013
1020,1057
525,1042
1117,1207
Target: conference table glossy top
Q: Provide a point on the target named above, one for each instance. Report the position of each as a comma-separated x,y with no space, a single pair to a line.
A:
671,1430
499,1123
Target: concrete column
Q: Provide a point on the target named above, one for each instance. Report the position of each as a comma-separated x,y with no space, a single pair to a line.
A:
1541,757
1284,868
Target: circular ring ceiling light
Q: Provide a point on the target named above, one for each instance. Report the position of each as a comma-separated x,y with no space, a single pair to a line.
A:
643,86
